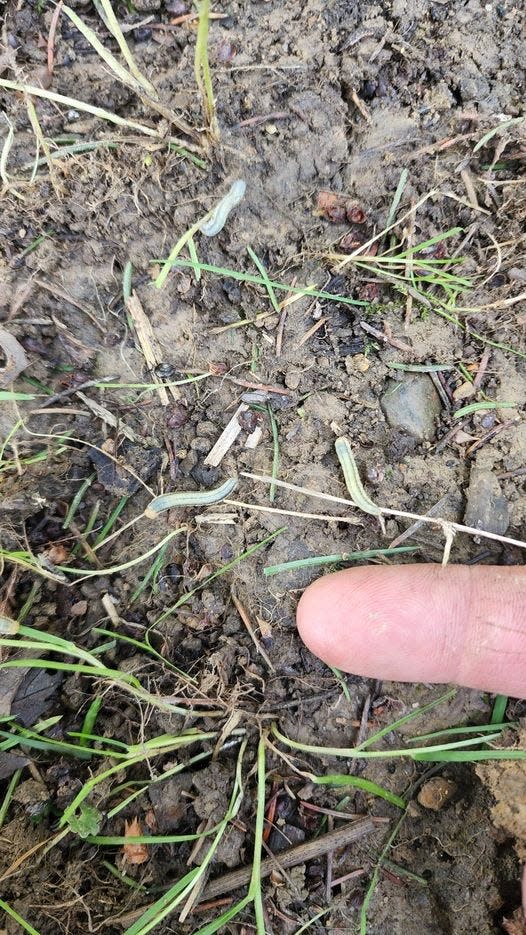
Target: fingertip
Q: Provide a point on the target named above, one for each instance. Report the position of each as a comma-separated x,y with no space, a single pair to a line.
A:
320,610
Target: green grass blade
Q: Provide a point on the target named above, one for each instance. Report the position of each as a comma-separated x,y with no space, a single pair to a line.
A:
17,918
203,77
337,559
254,890
218,924
417,712
264,275
256,280
481,407
402,182
357,782
499,709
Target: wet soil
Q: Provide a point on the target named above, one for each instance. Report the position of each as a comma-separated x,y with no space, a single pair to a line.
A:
347,98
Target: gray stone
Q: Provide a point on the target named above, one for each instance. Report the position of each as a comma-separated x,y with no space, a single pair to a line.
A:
486,506
411,405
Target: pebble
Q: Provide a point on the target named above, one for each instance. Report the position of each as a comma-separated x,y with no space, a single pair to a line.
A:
204,475
360,363
412,406
292,379
486,506
437,792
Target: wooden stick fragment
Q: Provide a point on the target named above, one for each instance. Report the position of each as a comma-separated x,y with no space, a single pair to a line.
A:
236,879
227,438
317,847
148,343
250,630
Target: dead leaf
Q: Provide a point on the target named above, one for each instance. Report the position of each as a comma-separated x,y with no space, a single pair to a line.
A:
332,206
134,853
33,695
56,554
9,763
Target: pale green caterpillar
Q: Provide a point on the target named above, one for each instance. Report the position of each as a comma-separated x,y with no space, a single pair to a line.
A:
217,220
172,501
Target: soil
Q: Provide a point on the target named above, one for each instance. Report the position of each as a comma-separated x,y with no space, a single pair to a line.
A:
350,96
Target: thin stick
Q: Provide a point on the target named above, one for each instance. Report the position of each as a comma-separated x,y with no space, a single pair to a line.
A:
308,334
394,342
482,367
148,344
325,517
281,324
342,837
457,527
246,620
227,438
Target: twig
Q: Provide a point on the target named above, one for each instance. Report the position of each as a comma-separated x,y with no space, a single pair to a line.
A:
262,118
74,389
414,527
263,387
482,367
246,620
342,837
353,875
281,324
308,334
386,511
360,106
236,879
508,474
148,344
346,816
394,342
489,435
227,438
106,416
325,517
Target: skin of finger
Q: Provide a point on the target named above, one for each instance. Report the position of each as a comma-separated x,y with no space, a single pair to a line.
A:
422,623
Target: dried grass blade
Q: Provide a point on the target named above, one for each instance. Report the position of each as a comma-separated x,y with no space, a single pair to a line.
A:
121,73
77,105
116,31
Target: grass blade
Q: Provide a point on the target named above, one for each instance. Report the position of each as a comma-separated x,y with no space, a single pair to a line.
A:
240,276
264,275
17,918
115,29
77,105
336,559
203,76
118,70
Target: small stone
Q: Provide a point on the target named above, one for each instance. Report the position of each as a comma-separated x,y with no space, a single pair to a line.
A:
204,475
360,363
464,391
292,379
412,406
436,792
486,506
